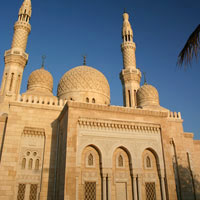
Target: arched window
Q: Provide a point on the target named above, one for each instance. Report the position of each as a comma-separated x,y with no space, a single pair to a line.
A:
148,162
87,100
120,161
37,163
23,163
93,100
90,160
30,163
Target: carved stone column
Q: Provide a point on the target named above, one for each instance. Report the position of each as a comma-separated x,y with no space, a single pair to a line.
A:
139,187
27,191
109,187
135,186
77,188
104,187
163,187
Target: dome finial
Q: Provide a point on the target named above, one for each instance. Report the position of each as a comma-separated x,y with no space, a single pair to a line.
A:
125,10
84,59
43,60
145,80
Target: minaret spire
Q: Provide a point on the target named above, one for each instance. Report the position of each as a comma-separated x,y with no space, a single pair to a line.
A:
16,58
130,75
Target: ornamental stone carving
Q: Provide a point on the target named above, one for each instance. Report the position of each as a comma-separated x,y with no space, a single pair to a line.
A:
40,81
83,84
147,95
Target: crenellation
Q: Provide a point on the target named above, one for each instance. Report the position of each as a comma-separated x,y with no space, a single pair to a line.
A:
174,115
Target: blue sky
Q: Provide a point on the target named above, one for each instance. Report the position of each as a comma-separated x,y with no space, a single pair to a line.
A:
64,30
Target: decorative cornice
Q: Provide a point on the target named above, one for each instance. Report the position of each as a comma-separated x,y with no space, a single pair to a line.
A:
30,131
128,45
15,56
131,76
119,125
22,25
118,109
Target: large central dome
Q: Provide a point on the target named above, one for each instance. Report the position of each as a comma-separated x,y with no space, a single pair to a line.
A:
84,84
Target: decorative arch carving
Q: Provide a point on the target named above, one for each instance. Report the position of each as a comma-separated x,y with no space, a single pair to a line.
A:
120,161
148,162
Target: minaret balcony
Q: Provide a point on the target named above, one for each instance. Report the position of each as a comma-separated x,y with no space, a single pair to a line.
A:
16,52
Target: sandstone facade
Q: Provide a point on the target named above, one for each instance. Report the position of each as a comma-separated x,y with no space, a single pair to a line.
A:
76,145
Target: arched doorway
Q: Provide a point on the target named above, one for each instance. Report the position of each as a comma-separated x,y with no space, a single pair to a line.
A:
91,174
122,174
151,189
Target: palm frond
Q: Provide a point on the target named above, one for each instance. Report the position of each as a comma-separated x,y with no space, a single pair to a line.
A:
191,48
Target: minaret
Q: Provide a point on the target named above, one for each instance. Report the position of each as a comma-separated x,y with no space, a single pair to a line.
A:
16,58
130,76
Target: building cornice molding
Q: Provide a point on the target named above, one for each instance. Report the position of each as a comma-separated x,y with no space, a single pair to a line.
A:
118,109
32,131
119,125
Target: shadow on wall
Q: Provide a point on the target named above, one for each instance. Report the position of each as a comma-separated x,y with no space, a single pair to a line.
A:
190,185
51,171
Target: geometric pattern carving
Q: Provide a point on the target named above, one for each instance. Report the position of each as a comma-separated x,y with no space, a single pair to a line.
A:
20,37
21,192
129,56
147,95
90,191
33,192
150,191
40,77
83,78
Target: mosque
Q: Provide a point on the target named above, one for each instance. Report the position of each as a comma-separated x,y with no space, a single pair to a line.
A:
76,145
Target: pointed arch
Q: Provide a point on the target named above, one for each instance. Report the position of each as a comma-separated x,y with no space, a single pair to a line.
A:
148,162
90,160
37,164
30,164
23,163
120,161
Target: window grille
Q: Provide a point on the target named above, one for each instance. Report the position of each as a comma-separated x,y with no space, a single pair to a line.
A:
33,192
90,191
150,191
21,192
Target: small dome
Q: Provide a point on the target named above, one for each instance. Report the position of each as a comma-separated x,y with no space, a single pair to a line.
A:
147,95
40,82
84,84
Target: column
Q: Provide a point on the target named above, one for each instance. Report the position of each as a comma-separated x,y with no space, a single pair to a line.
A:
163,187
77,188
27,191
104,187
109,187
139,187
135,187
